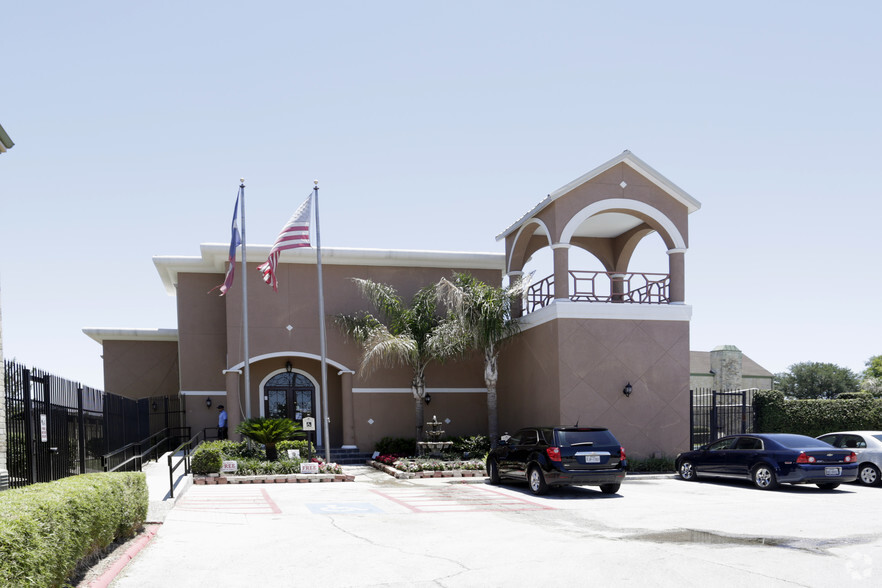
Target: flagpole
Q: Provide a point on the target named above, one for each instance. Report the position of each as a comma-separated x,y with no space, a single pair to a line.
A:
321,301
244,281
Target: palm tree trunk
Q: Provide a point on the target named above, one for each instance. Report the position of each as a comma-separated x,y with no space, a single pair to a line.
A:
491,375
418,386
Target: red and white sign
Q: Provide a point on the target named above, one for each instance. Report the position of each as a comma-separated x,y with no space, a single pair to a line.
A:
228,466
309,468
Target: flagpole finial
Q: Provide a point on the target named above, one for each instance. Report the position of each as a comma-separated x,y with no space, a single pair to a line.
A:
241,180
315,182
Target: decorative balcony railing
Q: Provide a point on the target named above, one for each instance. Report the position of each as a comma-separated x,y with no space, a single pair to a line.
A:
613,287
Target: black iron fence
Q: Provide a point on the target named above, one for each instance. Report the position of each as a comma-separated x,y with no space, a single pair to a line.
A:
57,428
717,414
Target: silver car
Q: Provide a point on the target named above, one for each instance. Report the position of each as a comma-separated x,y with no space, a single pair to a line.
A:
868,447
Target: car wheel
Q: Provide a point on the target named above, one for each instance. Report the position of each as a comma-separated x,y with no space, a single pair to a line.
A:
537,481
869,474
764,477
687,471
828,485
493,471
610,488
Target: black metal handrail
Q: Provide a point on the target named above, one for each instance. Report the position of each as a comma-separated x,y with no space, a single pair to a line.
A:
139,455
186,447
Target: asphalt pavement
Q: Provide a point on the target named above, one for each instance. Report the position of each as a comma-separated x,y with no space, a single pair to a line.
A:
379,531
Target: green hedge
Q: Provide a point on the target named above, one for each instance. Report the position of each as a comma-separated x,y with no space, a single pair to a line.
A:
46,529
777,414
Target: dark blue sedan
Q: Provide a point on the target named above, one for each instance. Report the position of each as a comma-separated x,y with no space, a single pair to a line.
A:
769,459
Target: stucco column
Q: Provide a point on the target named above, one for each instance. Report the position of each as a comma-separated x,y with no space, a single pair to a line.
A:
677,269
617,286
561,271
348,410
234,410
517,306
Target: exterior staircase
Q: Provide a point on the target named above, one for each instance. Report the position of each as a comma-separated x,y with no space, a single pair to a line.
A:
347,456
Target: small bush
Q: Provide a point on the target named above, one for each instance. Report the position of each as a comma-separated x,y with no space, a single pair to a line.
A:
777,414
651,464
207,459
396,445
46,529
475,446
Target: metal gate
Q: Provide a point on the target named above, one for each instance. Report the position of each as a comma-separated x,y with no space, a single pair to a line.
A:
57,428
716,414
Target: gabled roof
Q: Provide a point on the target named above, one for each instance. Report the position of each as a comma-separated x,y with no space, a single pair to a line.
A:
700,363
626,157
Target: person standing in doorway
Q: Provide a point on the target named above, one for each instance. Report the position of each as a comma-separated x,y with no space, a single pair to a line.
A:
221,422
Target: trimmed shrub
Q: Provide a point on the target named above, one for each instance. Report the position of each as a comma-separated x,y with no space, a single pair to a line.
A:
651,464
207,459
777,414
396,446
476,445
46,529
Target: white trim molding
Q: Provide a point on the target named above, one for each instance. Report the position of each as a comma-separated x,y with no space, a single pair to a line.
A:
101,335
338,365
677,250
428,391
566,309
623,204
203,392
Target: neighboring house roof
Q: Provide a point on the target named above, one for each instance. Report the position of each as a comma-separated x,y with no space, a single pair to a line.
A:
626,157
699,363
5,142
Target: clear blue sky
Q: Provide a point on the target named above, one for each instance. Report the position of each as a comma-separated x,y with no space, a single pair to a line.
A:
434,126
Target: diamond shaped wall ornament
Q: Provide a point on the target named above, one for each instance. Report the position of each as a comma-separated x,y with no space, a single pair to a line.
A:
447,421
624,184
370,421
290,328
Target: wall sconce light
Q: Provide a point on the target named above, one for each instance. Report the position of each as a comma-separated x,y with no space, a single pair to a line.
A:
428,398
628,389
208,402
153,406
288,367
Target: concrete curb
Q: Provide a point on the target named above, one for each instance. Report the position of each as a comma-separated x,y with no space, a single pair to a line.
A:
271,479
113,571
399,475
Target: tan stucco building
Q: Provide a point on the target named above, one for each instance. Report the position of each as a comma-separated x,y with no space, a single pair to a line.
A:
585,335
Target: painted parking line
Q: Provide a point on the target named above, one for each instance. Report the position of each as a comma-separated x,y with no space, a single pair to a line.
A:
458,499
334,508
238,501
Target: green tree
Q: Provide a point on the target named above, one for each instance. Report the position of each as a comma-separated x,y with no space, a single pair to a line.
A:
874,367
400,334
816,380
269,432
481,320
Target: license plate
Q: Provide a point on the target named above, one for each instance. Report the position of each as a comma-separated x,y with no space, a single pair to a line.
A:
592,459
832,471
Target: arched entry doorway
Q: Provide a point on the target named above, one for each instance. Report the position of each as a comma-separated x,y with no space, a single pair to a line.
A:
289,395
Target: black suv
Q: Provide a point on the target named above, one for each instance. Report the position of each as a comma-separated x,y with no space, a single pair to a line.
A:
559,456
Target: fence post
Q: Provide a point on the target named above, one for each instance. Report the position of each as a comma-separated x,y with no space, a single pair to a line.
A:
81,422
714,430
691,420
28,423
47,406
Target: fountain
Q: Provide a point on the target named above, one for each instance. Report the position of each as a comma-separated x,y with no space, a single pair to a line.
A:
434,445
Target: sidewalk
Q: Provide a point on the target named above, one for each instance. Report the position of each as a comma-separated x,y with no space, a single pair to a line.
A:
159,487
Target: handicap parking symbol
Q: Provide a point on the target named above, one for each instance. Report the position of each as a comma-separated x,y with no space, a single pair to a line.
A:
333,508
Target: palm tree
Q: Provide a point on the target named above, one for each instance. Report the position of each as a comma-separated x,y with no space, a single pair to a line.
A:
482,319
406,335
269,432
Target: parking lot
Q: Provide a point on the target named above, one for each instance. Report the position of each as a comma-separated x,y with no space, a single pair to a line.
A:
378,531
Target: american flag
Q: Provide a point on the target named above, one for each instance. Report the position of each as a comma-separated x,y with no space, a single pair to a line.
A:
235,241
294,234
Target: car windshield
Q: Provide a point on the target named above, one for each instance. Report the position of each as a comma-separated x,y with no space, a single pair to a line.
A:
584,437
799,441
